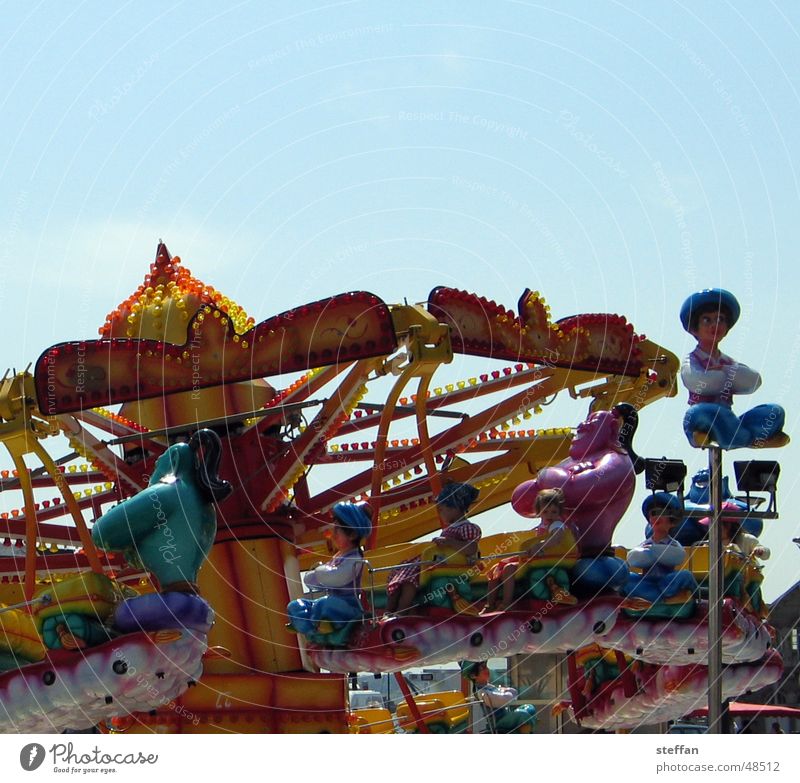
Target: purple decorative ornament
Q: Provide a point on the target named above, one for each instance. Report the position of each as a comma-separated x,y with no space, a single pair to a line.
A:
597,480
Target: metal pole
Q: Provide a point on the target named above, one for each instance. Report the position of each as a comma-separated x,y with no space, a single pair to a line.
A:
422,727
715,595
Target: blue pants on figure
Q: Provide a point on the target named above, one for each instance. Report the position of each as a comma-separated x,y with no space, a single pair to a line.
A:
731,431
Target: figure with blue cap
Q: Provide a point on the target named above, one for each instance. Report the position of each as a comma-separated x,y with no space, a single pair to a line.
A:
690,531
713,378
331,619
659,557
686,531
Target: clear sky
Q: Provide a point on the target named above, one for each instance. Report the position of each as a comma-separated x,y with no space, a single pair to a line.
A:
614,156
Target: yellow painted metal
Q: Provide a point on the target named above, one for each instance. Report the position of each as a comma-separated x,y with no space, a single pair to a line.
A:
446,708
379,467
426,338
427,344
260,686
371,721
253,703
335,409
19,634
198,405
657,379
697,561
246,584
21,430
421,411
11,593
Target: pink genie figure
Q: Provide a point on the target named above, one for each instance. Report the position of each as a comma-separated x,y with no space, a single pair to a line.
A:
597,481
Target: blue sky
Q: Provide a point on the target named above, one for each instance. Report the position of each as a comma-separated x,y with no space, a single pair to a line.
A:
614,156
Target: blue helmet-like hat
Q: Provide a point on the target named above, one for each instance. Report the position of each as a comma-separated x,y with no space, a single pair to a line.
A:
664,499
710,298
354,516
458,496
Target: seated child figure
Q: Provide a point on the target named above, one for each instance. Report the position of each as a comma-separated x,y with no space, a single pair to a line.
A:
659,556
712,379
328,620
459,536
741,582
496,699
553,550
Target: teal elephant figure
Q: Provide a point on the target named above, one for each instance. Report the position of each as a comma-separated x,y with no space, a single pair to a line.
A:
169,527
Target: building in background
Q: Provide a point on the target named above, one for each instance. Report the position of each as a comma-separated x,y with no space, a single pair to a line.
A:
784,615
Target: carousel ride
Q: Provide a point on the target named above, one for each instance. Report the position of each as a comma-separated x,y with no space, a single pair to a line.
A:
168,613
